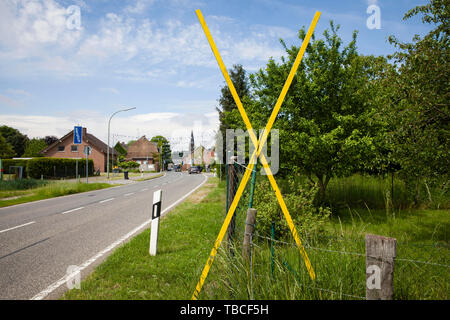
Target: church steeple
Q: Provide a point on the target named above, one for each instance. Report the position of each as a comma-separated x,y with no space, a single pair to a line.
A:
192,146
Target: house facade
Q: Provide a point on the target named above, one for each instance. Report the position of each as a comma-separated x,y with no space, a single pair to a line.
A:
65,148
144,152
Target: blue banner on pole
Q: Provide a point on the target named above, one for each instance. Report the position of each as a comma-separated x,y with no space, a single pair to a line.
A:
77,135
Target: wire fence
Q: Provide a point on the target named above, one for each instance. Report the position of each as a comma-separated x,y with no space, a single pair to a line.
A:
277,271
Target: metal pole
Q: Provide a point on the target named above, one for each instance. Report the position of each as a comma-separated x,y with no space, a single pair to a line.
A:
87,165
107,149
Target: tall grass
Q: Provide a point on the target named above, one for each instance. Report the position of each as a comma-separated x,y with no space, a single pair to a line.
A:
21,184
339,263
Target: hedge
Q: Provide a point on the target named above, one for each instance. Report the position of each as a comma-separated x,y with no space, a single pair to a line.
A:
58,167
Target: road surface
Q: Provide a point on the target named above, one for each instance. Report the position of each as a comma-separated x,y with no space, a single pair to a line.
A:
40,240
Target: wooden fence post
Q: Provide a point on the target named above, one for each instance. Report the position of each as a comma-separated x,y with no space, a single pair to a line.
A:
380,257
248,235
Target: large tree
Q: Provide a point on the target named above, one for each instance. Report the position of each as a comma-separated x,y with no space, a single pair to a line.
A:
164,145
325,122
34,147
227,107
16,139
416,100
6,150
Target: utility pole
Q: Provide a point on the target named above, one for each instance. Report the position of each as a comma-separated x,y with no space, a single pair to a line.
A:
109,125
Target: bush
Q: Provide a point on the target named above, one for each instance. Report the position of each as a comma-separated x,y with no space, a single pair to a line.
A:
299,198
57,167
128,165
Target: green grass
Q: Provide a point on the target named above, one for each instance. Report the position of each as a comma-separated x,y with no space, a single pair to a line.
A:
338,257
51,190
186,237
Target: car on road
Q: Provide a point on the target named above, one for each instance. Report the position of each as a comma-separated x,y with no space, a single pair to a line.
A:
195,169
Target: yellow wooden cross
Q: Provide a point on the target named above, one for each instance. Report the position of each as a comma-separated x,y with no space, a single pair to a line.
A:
256,153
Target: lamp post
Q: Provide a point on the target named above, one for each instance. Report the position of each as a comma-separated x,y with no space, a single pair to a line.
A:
109,124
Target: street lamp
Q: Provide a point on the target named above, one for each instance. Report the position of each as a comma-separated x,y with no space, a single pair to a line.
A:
109,124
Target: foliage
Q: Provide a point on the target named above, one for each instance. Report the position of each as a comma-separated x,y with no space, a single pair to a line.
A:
299,198
164,145
22,184
7,163
120,149
57,167
128,164
50,140
6,150
415,101
325,122
16,139
229,117
34,147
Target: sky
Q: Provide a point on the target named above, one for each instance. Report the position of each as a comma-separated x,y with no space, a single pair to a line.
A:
72,62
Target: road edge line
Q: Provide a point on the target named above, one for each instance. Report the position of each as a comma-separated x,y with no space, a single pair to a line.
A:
44,293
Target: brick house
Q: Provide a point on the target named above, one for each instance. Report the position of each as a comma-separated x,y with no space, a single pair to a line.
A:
144,152
64,148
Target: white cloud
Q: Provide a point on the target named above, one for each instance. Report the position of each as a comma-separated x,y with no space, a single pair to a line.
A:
138,6
110,90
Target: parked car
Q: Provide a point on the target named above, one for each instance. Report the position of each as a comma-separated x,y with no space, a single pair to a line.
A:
195,169
177,168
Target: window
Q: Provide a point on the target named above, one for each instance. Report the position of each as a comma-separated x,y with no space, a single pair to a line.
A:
60,148
74,148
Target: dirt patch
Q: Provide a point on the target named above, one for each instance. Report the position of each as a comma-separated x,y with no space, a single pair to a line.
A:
198,196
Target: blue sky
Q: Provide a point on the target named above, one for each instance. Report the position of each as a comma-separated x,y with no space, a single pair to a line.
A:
153,55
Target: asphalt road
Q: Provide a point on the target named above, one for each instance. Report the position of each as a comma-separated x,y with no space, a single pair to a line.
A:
40,240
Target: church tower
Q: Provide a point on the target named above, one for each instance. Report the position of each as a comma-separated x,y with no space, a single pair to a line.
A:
192,147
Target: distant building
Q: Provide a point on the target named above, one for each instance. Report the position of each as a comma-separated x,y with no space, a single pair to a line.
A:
64,148
179,156
144,152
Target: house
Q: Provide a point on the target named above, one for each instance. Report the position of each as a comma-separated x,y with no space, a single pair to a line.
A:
144,152
65,148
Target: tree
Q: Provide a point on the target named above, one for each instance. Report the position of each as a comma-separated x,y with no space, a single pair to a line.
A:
50,140
325,122
6,150
15,139
416,100
227,118
164,145
34,147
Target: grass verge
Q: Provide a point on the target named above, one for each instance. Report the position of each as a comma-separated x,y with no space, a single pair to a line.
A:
186,237
51,190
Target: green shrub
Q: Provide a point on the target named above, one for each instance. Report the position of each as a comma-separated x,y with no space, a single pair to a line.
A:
299,198
128,165
57,167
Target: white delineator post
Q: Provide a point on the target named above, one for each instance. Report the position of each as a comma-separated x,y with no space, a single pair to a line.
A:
156,212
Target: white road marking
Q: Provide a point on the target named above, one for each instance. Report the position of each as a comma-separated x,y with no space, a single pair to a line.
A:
41,295
72,210
128,194
145,189
106,200
22,225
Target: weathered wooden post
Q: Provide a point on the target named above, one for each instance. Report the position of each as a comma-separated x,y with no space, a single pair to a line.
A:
248,235
380,257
